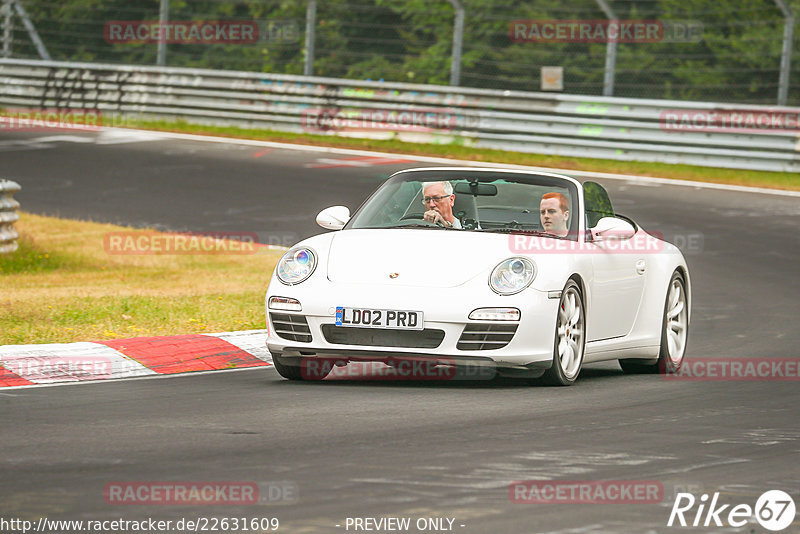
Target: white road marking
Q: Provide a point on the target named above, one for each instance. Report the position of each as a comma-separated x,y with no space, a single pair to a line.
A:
42,142
156,376
110,137
11,146
63,139
118,136
340,162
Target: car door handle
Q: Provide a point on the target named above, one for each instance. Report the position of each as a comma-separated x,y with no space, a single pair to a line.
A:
640,267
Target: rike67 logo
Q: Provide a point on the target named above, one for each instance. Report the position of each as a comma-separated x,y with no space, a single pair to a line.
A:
774,510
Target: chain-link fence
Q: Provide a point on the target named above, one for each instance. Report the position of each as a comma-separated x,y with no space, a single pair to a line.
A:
716,50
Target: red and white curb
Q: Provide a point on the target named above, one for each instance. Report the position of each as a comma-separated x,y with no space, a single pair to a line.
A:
26,365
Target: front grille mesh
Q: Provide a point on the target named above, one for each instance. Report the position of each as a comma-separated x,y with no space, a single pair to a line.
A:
428,338
486,336
291,327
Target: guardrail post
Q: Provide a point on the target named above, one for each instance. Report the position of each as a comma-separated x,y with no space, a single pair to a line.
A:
26,21
786,52
311,28
458,39
163,16
611,50
8,27
8,215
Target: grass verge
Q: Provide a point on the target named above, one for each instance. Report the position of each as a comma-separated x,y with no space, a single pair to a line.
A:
775,180
63,285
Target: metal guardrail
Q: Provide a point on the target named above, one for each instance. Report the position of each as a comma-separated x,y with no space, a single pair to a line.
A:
8,216
546,123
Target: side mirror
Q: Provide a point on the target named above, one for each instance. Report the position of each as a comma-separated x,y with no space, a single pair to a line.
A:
333,218
612,228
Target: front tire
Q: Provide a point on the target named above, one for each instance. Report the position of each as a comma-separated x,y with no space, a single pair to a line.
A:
288,368
570,338
674,333
299,368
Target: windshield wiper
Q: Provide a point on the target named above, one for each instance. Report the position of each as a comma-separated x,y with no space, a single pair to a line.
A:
525,231
415,225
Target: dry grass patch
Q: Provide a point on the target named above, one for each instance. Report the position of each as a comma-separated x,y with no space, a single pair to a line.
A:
62,285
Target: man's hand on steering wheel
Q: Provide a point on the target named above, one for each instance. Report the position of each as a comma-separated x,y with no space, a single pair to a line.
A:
434,216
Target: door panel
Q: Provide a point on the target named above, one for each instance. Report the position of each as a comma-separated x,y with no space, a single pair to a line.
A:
616,290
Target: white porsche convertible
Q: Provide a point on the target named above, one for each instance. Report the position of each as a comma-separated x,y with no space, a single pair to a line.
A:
525,273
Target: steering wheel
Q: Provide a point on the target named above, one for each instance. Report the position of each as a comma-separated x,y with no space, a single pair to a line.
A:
420,217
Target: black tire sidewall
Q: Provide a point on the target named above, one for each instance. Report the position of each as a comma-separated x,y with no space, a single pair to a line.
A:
285,369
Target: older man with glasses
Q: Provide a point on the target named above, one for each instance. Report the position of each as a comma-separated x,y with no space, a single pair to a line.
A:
438,198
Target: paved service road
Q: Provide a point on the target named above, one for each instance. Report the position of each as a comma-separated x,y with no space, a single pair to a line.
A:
354,449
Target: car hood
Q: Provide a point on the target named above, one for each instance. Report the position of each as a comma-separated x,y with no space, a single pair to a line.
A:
421,258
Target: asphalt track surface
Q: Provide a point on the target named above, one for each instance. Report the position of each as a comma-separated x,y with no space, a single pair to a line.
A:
400,449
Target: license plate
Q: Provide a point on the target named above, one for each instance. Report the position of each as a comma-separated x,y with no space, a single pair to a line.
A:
368,318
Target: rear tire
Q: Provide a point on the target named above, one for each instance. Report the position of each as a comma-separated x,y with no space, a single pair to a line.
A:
570,338
674,333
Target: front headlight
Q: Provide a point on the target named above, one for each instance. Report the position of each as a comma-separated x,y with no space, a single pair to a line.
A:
512,276
296,265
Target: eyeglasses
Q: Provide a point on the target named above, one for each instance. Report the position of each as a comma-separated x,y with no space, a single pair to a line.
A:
425,200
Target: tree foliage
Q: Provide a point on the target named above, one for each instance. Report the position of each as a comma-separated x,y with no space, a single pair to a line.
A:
737,59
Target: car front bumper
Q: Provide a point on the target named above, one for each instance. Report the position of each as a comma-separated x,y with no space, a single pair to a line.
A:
446,310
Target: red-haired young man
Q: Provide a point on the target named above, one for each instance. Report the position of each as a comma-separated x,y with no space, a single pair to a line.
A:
554,213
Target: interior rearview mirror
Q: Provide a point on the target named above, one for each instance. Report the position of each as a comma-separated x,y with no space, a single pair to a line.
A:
476,189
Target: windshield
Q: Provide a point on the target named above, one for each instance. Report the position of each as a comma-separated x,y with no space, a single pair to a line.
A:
477,201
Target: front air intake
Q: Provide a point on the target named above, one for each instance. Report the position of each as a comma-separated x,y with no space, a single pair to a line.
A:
430,338
291,327
486,336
